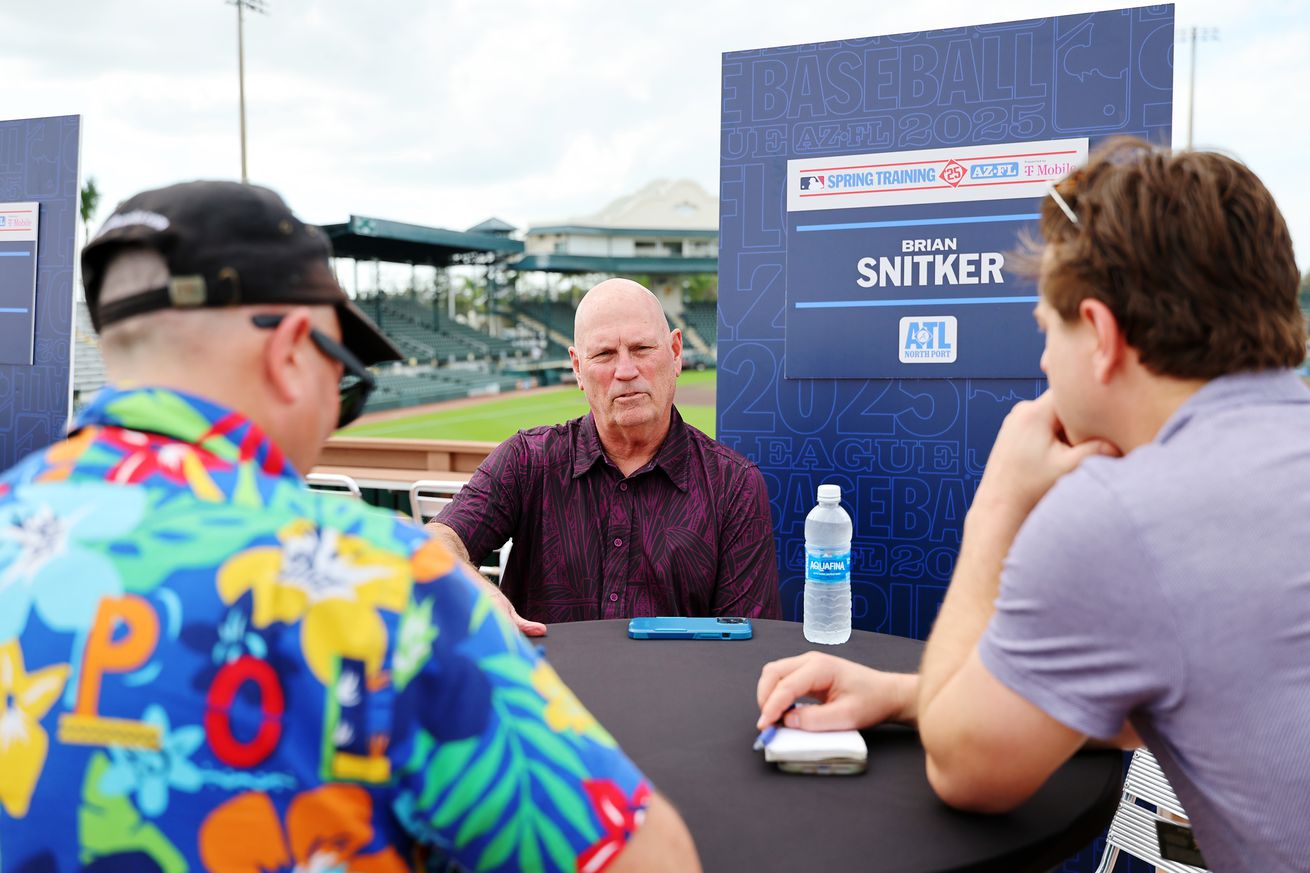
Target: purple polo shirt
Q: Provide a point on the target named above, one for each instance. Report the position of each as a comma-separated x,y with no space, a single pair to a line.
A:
687,534
1171,588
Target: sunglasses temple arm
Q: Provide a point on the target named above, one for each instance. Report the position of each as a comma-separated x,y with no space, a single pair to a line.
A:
1060,202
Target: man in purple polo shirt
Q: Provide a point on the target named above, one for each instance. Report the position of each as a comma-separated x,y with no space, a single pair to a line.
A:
628,510
1134,562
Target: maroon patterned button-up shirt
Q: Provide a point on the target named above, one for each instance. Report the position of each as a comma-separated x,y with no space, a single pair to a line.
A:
687,534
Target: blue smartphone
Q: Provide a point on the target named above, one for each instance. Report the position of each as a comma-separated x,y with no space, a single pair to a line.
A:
684,628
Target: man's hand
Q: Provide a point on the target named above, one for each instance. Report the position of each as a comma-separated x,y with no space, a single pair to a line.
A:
1029,455
853,696
448,538
492,590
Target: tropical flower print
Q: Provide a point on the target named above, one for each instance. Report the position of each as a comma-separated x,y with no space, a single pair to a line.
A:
148,774
145,455
62,457
333,583
236,639
336,634
414,640
431,561
50,553
564,712
327,830
619,816
25,698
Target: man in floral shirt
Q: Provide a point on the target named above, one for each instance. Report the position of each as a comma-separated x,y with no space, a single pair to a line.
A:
204,666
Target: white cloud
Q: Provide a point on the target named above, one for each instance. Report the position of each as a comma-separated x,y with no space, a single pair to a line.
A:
445,113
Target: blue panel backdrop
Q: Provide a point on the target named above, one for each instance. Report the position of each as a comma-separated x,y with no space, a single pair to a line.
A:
908,453
38,161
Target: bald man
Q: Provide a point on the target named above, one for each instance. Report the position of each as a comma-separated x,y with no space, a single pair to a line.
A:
628,510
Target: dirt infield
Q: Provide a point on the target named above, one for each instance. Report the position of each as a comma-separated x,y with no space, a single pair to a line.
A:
695,395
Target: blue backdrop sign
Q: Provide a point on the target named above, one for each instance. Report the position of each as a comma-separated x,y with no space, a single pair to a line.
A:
38,187
871,332
896,261
19,224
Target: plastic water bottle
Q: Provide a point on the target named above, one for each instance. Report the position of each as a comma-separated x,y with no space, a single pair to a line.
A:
827,617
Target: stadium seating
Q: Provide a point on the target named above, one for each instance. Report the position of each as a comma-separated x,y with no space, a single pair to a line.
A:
88,367
425,335
555,316
467,361
704,319
400,387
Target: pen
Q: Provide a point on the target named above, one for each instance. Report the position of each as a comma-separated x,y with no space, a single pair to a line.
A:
766,735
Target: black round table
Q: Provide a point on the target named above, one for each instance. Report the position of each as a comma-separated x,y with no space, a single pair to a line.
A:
685,711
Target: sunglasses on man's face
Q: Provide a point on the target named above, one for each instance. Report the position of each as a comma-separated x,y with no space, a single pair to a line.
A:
357,383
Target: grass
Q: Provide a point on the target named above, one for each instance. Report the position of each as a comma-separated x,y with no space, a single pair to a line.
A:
500,417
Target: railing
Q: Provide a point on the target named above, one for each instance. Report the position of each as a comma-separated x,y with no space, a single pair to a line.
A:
393,464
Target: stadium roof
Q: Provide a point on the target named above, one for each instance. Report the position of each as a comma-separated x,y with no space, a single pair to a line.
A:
643,232
659,266
366,239
493,225
678,205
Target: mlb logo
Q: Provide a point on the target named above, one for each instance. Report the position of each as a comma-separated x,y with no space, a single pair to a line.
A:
928,339
811,183
2,220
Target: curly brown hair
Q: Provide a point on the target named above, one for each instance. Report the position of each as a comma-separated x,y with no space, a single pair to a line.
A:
1187,249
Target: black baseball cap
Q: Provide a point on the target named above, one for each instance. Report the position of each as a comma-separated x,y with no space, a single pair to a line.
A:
226,244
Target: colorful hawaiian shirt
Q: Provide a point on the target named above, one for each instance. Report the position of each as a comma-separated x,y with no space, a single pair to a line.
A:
205,666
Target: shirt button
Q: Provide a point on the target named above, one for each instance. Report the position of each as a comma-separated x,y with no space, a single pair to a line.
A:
614,598
623,486
617,542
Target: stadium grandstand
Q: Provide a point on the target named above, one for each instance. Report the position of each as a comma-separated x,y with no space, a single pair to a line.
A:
483,312
663,235
88,366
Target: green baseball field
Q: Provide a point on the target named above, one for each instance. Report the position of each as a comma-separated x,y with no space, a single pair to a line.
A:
494,418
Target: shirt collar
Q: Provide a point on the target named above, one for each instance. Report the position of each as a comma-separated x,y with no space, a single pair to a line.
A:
187,418
671,457
1237,389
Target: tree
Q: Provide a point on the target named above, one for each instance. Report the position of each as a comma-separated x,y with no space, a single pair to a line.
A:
90,201
701,287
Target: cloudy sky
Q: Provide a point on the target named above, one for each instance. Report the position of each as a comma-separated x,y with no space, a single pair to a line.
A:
446,112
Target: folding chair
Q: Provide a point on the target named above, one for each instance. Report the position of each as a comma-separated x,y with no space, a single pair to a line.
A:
1133,828
426,499
333,483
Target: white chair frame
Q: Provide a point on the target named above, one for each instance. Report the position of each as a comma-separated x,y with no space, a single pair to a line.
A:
426,499
333,483
1133,828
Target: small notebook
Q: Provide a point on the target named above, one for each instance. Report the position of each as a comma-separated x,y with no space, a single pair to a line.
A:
789,745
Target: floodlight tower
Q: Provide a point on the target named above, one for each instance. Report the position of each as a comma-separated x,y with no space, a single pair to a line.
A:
261,7
1195,35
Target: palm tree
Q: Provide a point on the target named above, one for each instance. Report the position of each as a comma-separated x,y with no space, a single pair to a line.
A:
90,200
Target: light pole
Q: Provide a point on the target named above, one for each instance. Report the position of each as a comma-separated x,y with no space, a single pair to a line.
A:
254,6
1195,35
